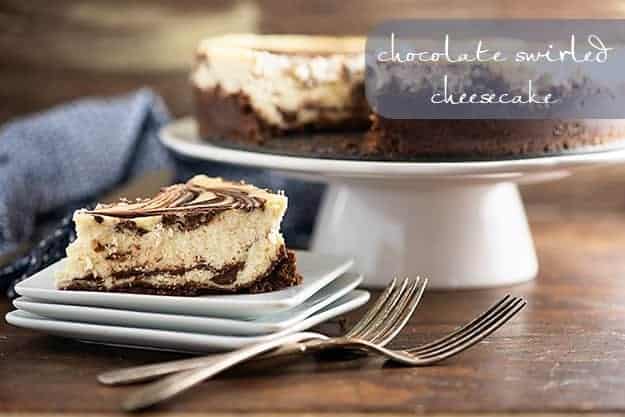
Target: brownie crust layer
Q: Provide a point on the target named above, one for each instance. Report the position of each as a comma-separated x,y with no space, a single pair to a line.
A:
229,119
433,145
486,139
282,274
232,117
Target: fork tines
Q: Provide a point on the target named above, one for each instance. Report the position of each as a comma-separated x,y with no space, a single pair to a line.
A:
391,311
472,332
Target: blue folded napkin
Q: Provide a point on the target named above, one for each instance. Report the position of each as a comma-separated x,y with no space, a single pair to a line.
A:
72,153
64,158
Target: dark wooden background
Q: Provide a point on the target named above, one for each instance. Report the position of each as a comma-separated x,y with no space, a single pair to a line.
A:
562,356
51,52
55,51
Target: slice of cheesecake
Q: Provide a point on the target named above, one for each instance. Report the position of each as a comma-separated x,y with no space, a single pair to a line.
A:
205,236
252,87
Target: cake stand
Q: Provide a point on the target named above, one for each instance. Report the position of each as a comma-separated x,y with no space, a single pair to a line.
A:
461,224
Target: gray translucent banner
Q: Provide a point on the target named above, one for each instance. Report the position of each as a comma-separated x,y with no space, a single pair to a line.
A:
497,69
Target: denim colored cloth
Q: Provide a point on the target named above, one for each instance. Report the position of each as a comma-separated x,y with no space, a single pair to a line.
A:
64,158
72,153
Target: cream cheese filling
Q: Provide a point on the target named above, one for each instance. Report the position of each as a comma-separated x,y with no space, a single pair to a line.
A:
252,239
278,82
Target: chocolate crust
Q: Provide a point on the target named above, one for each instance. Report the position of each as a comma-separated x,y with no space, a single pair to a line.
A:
486,139
230,120
231,116
281,274
228,115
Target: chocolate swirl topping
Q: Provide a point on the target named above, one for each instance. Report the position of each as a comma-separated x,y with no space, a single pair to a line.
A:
186,198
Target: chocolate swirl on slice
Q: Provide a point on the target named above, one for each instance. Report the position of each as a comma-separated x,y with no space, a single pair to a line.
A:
181,199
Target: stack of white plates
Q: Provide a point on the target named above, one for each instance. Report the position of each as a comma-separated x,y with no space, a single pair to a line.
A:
193,324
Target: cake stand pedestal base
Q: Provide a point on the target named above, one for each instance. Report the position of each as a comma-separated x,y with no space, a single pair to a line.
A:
457,235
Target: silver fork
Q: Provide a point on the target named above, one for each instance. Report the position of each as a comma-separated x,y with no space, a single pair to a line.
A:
450,345
376,326
380,324
443,348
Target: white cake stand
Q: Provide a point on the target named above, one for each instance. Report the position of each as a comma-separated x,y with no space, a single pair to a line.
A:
461,224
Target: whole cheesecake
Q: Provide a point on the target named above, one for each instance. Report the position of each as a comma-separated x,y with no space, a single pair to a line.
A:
258,91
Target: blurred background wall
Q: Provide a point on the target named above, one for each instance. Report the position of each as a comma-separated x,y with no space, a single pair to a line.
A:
54,51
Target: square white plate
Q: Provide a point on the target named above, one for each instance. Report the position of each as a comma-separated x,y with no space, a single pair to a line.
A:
317,269
170,340
196,324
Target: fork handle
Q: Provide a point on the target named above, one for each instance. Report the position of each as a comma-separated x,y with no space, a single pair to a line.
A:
149,372
174,384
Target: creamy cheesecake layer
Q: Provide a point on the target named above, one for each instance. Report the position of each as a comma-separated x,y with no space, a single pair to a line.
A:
206,234
287,81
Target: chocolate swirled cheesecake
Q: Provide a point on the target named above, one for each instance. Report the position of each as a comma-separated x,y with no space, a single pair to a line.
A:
259,92
205,236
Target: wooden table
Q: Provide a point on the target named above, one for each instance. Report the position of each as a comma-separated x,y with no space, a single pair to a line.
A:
565,353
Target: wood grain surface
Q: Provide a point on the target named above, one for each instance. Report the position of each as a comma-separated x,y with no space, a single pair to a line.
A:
564,353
